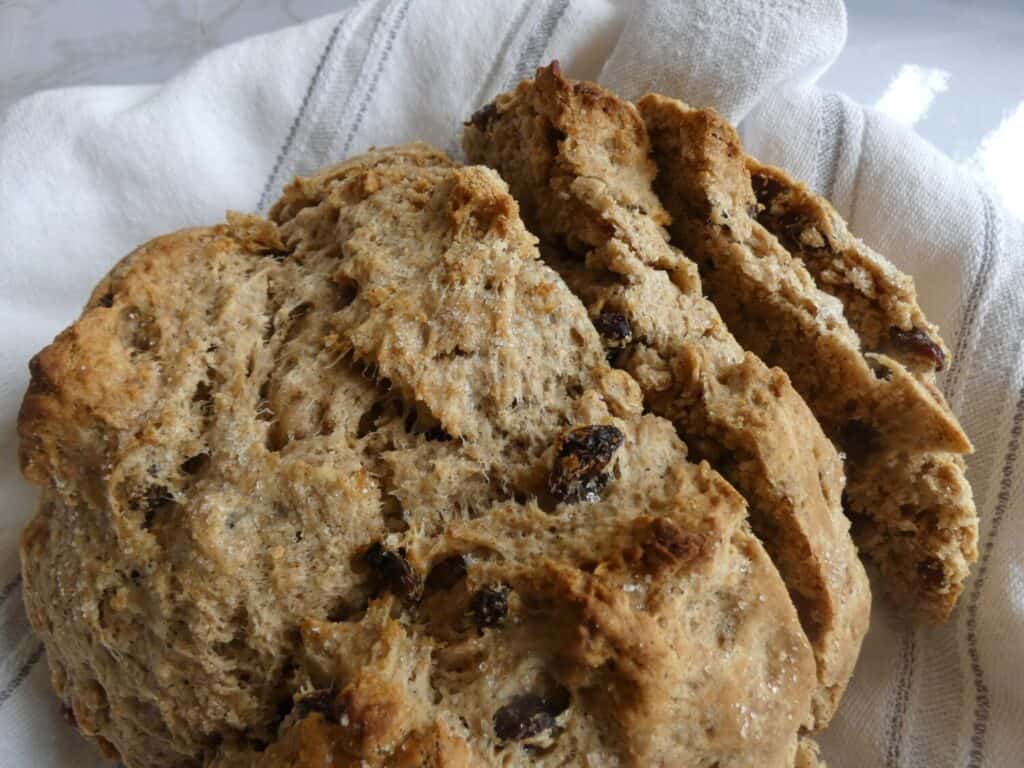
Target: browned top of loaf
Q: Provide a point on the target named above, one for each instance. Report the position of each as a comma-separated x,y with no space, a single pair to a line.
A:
359,481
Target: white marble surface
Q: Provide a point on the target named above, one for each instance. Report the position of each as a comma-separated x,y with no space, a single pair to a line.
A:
954,70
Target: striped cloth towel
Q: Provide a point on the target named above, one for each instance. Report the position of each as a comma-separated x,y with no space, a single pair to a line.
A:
87,173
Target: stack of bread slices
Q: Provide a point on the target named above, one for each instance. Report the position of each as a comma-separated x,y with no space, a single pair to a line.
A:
546,459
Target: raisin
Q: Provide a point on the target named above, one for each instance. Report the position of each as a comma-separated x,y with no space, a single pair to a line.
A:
490,606
447,573
667,544
614,328
858,440
410,421
138,330
106,300
792,223
322,701
881,370
931,573
437,434
918,343
41,382
581,456
203,397
766,189
151,501
528,715
483,117
154,497
393,570
195,464
344,610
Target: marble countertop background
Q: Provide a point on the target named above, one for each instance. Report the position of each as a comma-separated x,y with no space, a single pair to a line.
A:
950,68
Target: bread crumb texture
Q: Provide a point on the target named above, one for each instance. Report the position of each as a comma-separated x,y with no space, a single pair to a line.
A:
357,486
799,290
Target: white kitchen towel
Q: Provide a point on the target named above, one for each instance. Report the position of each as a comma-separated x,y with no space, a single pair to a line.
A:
87,173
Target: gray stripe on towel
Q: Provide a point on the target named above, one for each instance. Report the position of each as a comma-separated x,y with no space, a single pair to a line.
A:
23,672
11,586
979,288
905,677
273,182
831,137
389,44
537,43
982,700
489,81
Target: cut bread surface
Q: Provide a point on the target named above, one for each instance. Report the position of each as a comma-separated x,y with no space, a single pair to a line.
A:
796,288
577,159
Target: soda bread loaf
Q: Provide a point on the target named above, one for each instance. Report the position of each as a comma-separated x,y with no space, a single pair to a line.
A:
798,289
578,161
356,486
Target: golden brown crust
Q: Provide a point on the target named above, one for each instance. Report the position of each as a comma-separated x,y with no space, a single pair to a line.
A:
322,526
846,327
578,161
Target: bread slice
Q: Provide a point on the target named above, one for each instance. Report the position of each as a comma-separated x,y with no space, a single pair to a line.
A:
795,287
358,483
879,301
577,160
